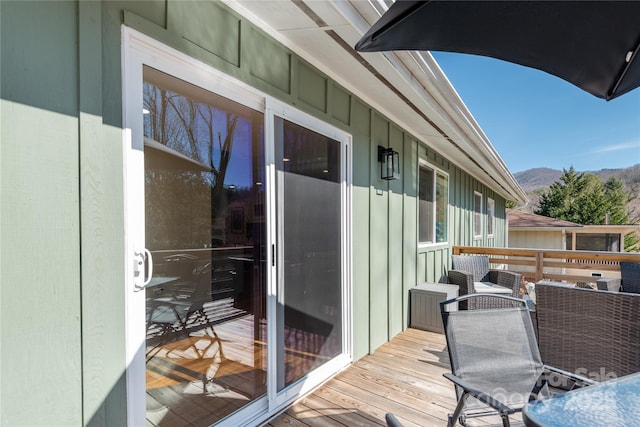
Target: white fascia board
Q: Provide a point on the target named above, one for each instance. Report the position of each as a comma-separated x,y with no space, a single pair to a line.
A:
427,79
563,229
416,67
609,228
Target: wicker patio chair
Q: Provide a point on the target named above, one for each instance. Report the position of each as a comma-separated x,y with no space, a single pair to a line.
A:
589,331
467,270
630,275
496,367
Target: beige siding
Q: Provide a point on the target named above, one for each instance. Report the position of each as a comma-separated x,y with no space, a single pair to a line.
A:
536,239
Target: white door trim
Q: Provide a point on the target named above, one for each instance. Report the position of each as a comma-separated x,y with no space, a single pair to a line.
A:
138,50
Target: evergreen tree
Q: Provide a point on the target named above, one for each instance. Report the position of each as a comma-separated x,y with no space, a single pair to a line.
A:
563,198
589,205
618,198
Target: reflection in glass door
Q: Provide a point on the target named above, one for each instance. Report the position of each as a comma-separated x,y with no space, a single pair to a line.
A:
309,205
205,227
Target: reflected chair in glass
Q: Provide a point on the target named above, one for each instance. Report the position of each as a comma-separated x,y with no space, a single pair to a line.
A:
496,367
180,333
469,269
175,316
184,307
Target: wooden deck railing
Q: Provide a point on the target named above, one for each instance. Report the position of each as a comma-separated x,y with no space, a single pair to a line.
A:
539,264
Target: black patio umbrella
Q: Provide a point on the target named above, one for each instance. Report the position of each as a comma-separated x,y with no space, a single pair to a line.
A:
592,44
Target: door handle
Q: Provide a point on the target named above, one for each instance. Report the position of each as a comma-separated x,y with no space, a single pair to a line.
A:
142,269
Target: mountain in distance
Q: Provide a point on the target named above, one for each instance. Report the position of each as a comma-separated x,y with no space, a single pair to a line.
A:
537,180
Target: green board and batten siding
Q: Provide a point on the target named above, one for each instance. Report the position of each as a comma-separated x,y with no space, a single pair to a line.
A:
40,301
62,298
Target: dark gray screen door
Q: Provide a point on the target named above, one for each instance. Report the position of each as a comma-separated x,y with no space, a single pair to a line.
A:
310,236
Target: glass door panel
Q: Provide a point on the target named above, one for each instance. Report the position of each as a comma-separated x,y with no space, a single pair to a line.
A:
206,303
309,204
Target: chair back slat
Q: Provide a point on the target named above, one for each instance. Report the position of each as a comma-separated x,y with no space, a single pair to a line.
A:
478,265
590,332
630,275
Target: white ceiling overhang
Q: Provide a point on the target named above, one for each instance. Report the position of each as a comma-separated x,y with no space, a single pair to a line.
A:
609,228
407,87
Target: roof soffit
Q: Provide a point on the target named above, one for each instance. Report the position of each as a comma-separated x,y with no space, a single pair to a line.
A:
416,94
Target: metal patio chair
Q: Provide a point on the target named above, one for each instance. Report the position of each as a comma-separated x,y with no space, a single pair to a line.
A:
184,308
630,276
174,315
496,367
391,420
470,269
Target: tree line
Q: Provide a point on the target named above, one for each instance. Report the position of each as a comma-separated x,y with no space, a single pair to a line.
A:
584,198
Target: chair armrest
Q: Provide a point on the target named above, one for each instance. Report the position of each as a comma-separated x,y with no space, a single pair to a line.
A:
609,284
463,279
509,276
508,279
481,396
571,375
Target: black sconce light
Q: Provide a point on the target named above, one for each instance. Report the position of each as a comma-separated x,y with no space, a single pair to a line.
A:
389,163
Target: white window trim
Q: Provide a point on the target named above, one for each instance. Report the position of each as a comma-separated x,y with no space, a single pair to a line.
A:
477,195
436,171
491,219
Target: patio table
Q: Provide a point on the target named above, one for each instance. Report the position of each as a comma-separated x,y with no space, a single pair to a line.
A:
610,403
159,281
490,288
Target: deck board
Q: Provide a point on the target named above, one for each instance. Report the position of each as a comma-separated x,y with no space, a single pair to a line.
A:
403,376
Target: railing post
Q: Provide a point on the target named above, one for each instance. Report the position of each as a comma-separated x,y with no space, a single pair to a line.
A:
539,265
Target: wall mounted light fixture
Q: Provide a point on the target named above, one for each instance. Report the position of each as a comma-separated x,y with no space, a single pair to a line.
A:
389,163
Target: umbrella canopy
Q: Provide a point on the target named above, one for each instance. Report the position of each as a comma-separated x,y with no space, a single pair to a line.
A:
592,44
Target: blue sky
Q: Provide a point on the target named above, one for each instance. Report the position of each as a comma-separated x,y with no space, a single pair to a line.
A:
534,119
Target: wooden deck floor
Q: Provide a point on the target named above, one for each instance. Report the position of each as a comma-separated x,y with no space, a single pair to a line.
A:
404,376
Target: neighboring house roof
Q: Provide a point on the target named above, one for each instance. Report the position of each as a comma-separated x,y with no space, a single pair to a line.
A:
407,87
521,219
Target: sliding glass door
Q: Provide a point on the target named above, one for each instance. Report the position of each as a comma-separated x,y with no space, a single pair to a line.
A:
205,229
310,240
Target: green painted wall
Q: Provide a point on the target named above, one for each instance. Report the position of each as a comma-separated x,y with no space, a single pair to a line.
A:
378,241
62,299
40,293
362,196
